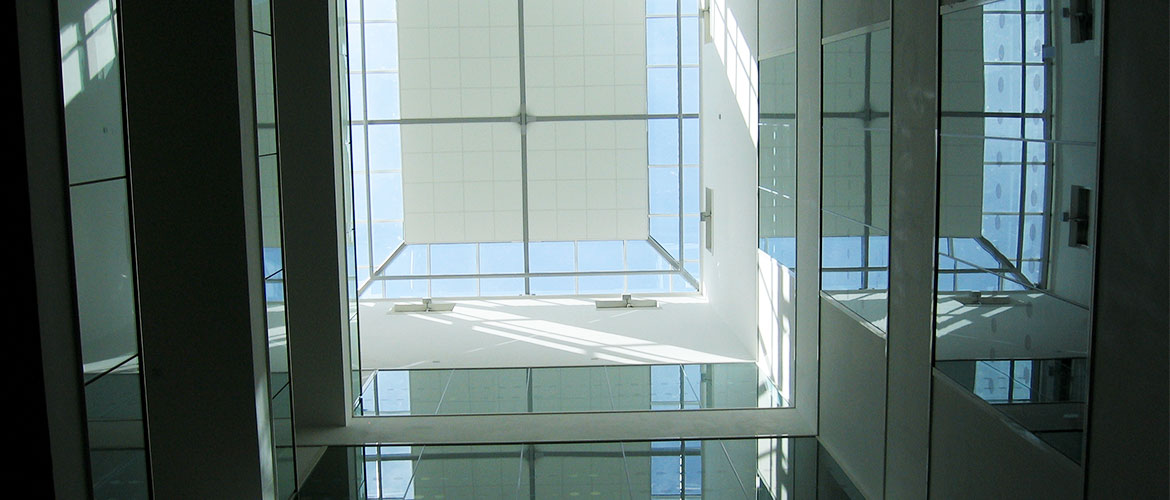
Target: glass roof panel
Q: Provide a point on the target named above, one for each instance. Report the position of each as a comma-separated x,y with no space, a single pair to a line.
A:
440,94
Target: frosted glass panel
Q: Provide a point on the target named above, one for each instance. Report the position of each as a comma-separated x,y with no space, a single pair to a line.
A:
587,58
458,58
460,183
587,180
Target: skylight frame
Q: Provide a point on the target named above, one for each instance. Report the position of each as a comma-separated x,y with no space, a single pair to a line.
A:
370,272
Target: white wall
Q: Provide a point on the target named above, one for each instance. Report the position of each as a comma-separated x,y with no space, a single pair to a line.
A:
853,396
1075,101
977,453
776,322
729,104
777,24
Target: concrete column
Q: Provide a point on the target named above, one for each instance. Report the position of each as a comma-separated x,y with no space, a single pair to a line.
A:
312,189
48,294
1126,452
195,197
808,206
913,186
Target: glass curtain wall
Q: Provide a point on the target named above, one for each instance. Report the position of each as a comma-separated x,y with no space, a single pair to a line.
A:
1020,95
658,470
102,248
776,199
855,176
348,162
272,237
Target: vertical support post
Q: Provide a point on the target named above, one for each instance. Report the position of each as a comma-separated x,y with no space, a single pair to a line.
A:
1128,393
57,349
913,182
195,203
808,207
312,190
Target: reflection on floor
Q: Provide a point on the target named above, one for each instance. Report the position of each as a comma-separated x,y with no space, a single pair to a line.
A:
744,469
567,389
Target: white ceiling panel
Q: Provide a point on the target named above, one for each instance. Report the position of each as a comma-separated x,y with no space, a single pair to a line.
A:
461,183
585,58
587,181
459,58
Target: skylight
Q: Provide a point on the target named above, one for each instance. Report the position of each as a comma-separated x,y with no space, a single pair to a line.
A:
513,148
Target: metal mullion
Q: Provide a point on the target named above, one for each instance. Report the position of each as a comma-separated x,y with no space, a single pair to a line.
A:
560,274
1021,63
120,177
1007,163
1023,158
988,114
366,145
1022,139
381,268
679,123
523,147
1014,213
445,120
1049,153
614,117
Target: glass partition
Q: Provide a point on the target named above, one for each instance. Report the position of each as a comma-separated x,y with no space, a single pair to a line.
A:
741,469
777,176
1020,97
103,257
567,389
776,198
855,174
272,241
347,10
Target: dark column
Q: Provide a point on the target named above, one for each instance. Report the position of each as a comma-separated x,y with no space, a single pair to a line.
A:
46,285
304,33
196,219
1126,453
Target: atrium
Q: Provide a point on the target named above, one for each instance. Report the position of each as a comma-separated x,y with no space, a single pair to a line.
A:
651,249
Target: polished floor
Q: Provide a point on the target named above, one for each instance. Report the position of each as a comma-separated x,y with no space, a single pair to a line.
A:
739,469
